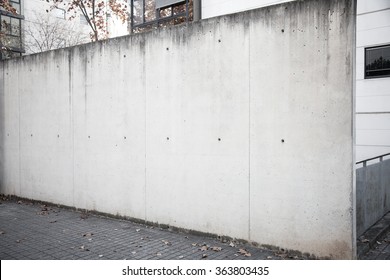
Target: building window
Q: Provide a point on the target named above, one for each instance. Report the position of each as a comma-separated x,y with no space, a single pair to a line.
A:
377,62
16,5
150,14
83,20
59,13
11,44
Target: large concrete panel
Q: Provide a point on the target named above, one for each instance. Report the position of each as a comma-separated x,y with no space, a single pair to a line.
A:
301,172
109,126
197,127
9,129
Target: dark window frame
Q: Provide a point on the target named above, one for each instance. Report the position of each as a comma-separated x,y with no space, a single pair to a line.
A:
157,19
366,71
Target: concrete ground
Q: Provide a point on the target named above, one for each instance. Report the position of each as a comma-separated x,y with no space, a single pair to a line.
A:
37,231
374,244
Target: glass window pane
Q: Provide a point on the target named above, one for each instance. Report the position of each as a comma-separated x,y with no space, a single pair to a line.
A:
150,10
6,24
377,62
15,26
138,11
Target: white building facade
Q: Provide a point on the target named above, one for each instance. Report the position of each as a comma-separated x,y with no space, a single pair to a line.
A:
372,91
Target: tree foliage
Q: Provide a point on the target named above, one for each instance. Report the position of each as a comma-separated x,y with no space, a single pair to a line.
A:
95,13
6,6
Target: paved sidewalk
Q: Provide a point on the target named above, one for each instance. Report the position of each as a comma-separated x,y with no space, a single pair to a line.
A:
374,244
36,231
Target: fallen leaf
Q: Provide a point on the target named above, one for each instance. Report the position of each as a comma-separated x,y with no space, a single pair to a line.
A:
186,237
166,242
134,252
20,202
100,256
269,257
194,244
231,244
137,230
84,216
18,241
204,256
88,234
158,254
365,240
244,252
180,257
204,248
216,249
84,248
379,243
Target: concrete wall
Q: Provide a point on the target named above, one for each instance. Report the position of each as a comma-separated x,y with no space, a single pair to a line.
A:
372,95
372,194
240,125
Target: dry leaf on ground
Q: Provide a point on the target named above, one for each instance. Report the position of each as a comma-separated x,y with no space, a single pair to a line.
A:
204,248
166,242
244,252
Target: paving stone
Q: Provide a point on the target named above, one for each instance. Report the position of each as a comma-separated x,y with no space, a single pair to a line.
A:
31,232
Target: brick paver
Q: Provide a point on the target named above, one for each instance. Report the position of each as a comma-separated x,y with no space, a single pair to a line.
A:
381,250
36,231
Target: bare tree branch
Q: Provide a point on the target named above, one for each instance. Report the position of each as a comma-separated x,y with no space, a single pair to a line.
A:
94,12
44,33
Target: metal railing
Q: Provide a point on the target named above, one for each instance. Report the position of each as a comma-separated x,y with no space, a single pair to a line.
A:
369,159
